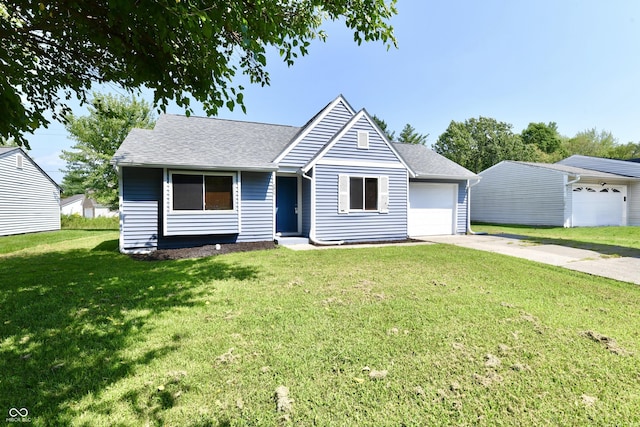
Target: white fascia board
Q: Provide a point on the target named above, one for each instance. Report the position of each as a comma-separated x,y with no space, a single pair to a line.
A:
356,163
312,125
200,167
450,177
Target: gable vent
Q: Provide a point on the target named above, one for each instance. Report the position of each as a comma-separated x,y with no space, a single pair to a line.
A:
363,139
19,160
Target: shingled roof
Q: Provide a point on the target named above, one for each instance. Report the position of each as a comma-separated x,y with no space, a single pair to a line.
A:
572,170
205,143
426,163
210,143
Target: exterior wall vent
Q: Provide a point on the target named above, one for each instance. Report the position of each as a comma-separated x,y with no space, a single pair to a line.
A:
363,139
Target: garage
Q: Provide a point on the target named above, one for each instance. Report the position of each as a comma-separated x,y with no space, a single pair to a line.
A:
598,205
432,208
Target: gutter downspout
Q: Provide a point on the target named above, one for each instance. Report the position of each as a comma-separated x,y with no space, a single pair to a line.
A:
574,181
312,227
469,230
570,220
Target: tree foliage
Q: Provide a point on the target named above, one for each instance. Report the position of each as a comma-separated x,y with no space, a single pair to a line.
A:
409,135
51,51
97,138
478,144
544,136
591,142
391,135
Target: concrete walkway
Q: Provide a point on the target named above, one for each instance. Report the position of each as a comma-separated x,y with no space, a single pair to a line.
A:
625,268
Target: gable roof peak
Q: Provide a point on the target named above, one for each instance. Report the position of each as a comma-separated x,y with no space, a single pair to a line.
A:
310,125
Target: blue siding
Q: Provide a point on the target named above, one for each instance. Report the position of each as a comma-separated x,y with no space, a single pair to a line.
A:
461,226
257,207
139,212
199,223
346,147
29,201
319,135
306,206
359,226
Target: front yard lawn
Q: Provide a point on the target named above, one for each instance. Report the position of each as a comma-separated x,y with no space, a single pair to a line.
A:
625,240
398,335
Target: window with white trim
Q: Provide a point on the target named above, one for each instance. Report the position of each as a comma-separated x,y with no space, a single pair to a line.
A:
202,192
363,194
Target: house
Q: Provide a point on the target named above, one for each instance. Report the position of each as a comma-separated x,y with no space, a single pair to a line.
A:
29,198
577,191
193,181
84,206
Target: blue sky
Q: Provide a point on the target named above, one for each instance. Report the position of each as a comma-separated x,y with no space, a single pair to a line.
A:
576,63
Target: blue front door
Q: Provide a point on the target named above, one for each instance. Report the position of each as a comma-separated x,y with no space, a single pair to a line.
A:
287,204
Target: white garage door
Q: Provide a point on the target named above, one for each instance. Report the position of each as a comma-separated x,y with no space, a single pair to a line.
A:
598,205
432,208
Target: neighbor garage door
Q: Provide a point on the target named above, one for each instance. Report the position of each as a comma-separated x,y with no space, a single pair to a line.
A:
432,208
598,205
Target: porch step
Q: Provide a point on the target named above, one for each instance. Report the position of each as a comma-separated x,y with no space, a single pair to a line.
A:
291,241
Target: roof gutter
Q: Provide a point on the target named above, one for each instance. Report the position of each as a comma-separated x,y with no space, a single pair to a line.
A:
450,177
198,167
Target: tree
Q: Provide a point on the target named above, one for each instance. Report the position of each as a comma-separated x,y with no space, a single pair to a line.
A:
410,136
625,151
51,51
591,143
8,142
478,144
97,137
384,128
544,136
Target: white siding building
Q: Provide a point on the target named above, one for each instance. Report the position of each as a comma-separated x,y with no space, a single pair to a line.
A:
29,198
554,195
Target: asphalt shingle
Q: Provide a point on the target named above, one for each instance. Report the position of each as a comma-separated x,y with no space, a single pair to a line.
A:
207,143
426,163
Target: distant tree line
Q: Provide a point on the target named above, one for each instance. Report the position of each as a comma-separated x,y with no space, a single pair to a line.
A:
478,144
408,135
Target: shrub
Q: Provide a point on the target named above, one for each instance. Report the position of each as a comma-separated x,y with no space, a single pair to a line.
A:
77,222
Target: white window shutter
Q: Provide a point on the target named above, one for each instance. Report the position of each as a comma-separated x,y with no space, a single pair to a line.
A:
383,194
343,193
363,139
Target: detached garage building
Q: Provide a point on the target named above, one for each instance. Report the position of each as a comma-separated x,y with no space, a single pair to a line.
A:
558,194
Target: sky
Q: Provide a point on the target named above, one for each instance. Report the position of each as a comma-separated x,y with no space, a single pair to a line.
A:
576,63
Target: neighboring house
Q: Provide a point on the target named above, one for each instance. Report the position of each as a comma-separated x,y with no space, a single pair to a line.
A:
577,191
627,169
81,205
193,181
29,198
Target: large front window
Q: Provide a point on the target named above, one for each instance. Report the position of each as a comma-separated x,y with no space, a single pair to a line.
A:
193,192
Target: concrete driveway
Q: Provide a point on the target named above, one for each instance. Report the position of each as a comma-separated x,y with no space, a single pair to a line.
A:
623,268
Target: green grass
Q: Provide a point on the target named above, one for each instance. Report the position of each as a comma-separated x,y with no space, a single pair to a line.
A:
77,222
608,240
91,337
